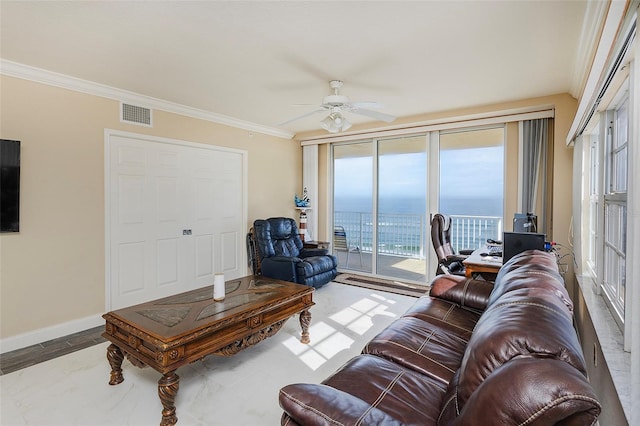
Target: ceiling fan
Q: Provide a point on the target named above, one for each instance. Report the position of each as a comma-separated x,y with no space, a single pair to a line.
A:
337,104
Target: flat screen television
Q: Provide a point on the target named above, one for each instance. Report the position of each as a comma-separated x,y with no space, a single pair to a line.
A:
9,185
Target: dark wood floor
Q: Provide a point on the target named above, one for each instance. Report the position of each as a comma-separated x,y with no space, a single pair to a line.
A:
32,355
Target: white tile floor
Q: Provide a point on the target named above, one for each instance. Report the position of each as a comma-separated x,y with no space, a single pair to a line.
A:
239,390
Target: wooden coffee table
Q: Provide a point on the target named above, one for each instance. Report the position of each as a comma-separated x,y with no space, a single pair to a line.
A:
168,333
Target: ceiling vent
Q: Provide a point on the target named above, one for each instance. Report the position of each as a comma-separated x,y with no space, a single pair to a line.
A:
135,114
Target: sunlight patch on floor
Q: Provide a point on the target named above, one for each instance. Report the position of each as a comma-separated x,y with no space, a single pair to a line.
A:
327,341
417,266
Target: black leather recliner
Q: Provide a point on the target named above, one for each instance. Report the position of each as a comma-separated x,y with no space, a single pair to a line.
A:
283,257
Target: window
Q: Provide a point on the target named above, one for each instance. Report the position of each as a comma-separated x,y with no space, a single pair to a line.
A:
615,208
594,194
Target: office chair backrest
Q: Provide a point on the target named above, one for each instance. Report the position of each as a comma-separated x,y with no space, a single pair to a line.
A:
441,236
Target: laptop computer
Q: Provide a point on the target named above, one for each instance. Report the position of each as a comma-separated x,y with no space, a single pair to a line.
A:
517,242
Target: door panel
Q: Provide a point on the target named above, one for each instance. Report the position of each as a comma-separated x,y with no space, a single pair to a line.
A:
471,189
229,227
165,219
129,248
402,201
204,258
353,205
131,200
229,252
167,261
131,270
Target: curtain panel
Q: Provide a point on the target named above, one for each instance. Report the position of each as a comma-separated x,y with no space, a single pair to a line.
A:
535,141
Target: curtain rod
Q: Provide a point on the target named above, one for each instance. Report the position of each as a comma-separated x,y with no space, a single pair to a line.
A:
481,119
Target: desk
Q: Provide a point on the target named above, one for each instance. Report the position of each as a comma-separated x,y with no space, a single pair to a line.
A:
476,263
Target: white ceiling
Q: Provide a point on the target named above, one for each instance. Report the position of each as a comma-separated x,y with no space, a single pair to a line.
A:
254,60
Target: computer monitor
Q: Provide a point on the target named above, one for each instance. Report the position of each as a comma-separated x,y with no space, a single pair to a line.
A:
517,242
525,222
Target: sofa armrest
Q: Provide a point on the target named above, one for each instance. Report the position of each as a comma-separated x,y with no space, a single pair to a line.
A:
280,268
307,252
466,292
317,404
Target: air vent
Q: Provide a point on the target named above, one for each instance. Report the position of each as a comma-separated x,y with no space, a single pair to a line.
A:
135,114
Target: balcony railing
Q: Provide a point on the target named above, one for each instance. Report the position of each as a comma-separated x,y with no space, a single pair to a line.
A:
407,234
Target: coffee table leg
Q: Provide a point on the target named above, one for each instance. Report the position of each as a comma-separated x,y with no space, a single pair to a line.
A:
168,389
305,320
115,358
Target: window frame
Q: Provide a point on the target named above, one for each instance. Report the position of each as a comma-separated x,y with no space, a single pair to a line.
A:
610,263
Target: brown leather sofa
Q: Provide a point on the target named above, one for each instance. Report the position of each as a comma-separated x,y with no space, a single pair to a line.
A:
469,353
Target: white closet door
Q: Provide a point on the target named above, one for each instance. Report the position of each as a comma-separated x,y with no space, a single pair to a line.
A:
228,191
175,218
217,214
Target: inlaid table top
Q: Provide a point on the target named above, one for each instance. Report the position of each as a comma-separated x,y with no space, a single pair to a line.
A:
168,333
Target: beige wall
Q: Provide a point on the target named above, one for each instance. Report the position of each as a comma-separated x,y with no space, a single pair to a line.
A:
53,271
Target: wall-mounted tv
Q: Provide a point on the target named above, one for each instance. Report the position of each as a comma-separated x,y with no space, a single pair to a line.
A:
9,185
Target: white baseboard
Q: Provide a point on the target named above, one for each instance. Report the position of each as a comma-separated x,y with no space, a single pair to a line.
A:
52,332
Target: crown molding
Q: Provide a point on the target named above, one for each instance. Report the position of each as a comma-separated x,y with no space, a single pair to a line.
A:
592,27
39,75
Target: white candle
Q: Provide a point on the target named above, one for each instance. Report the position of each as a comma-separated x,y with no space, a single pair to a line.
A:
218,287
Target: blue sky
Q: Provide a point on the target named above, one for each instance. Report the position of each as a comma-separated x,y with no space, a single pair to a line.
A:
466,173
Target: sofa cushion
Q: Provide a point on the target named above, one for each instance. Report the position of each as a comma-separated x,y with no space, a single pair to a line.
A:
531,269
540,391
368,390
420,346
447,315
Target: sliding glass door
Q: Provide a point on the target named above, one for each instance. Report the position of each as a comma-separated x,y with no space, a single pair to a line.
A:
379,199
471,175
402,202
353,205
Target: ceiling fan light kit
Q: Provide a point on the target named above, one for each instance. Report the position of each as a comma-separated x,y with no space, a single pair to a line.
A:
335,123
337,105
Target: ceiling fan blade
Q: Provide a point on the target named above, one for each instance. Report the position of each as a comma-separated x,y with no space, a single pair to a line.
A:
374,114
301,116
366,105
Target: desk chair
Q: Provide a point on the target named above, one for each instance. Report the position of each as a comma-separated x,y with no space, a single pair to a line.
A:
448,261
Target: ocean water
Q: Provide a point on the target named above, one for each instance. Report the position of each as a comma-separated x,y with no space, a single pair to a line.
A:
403,225
414,205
